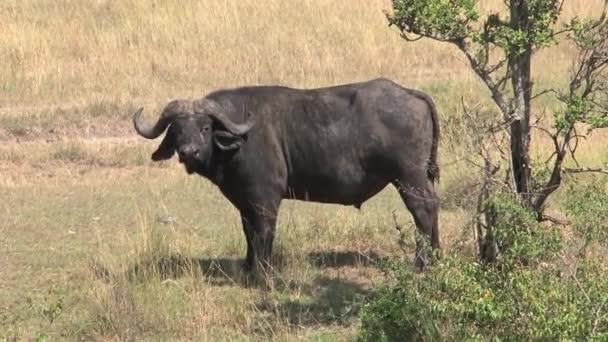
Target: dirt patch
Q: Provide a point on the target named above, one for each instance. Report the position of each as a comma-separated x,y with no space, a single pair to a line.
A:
97,118
89,129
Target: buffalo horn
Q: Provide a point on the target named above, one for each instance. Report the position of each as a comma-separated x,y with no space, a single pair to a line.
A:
212,109
153,132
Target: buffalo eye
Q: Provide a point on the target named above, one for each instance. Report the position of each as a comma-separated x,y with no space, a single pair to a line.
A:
205,129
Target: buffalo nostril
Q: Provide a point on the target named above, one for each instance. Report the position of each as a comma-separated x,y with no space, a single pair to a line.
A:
188,151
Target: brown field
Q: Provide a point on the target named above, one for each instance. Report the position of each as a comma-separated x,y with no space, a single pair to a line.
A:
99,243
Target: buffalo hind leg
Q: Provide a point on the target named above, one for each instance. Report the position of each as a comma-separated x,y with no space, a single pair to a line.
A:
419,196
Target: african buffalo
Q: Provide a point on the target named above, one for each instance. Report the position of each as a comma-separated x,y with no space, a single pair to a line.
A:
341,144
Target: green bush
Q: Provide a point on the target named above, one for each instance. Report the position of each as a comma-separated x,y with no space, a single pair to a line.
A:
516,232
460,299
587,207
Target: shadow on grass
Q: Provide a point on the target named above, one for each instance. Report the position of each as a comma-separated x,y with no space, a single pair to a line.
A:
332,301
336,259
216,271
326,300
229,271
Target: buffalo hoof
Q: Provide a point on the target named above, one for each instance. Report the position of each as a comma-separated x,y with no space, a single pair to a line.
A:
246,267
256,279
255,276
419,264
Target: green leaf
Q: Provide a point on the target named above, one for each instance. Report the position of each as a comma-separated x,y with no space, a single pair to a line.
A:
442,19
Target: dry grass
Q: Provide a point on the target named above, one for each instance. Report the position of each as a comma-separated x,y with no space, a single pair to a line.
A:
74,52
137,250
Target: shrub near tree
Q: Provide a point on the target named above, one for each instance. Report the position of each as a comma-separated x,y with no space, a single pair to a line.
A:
527,284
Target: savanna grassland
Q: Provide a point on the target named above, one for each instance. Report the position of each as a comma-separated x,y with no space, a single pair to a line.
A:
97,242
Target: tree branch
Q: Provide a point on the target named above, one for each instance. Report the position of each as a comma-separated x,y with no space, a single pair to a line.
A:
543,93
500,84
571,148
556,174
598,317
497,96
496,66
407,38
553,138
545,217
586,170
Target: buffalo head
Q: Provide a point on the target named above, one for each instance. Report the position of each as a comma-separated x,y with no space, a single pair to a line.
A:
195,129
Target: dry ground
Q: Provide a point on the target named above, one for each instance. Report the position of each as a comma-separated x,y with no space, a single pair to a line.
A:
97,242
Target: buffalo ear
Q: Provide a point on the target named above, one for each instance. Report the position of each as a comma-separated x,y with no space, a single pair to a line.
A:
165,150
227,141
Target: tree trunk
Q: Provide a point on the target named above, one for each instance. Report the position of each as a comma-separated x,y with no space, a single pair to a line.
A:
519,64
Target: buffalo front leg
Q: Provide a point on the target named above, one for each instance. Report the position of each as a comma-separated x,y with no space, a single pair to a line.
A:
420,198
247,229
260,224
